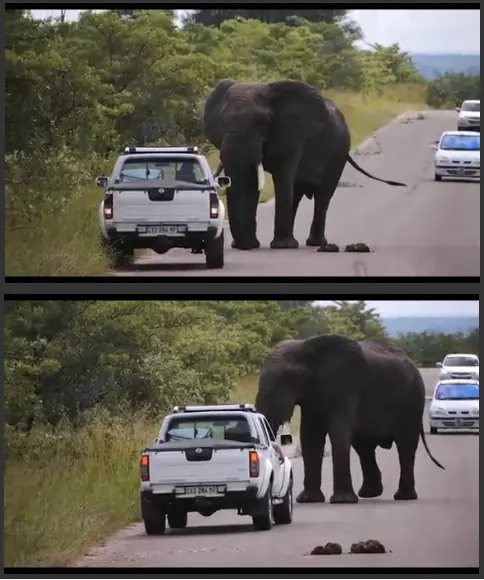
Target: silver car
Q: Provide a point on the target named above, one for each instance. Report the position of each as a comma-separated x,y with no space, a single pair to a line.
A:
454,405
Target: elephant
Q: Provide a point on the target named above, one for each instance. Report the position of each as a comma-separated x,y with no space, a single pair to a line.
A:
298,136
363,394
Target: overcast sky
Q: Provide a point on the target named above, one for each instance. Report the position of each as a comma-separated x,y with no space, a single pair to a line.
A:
433,31
392,308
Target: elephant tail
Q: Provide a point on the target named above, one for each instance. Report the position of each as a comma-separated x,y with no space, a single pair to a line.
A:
361,170
422,434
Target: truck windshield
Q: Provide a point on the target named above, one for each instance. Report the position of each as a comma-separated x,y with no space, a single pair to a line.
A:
469,106
162,168
217,427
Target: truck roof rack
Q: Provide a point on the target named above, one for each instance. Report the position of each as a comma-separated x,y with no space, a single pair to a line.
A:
141,150
214,408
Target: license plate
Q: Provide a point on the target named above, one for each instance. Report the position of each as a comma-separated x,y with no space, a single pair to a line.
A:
162,230
201,490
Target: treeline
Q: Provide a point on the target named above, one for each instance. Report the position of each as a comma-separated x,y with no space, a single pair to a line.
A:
75,92
450,90
429,348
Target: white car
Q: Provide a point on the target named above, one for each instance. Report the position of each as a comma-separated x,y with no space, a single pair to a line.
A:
160,198
469,116
455,405
459,366
211,458
458,155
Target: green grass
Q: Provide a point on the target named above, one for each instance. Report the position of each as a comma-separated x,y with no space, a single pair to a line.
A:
66,244
69,491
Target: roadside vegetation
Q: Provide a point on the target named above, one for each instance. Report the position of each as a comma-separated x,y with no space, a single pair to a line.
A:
76,93
87,383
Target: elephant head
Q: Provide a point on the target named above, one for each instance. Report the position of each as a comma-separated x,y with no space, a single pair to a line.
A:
310,373
236,120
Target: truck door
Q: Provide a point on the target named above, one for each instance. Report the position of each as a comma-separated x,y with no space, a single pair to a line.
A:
276,460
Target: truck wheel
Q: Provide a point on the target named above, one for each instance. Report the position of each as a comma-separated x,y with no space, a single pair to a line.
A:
118,256
438,177
177,520
433,430
263,520
283,511
214,253
153,518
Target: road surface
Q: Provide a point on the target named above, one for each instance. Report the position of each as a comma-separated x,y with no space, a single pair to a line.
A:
425,229
440,529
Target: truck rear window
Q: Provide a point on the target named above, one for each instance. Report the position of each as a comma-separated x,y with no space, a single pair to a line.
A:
162,168
217,427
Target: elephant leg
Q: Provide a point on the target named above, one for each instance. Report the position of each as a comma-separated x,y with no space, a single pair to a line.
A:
318,225
322,199
407,447
283,179
251,224
372,480
312,438
298,194
340,428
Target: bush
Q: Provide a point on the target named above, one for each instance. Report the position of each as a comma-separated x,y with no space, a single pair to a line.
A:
450,90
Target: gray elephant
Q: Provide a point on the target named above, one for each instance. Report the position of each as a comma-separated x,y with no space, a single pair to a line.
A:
363,394
299,137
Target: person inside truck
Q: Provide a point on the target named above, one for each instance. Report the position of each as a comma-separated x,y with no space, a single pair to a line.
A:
186,172
239,432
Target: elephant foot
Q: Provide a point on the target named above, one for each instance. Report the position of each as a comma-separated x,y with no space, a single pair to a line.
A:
284,243
311,497
344,497
246,244
369,490
360,247
313,241
405,494
328,248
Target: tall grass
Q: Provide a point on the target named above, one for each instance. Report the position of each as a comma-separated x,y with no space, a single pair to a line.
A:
67,243
65,490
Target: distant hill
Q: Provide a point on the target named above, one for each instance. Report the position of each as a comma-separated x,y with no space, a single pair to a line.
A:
448,325
431,66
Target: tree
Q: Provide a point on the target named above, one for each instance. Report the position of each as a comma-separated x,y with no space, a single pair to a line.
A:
215,17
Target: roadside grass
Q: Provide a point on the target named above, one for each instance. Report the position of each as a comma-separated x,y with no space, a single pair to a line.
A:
69,490
66,244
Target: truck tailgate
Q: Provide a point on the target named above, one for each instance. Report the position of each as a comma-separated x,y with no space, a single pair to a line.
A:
171,207
183,467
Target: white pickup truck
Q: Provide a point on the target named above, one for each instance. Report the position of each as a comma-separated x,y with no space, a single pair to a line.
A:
210,458
159,198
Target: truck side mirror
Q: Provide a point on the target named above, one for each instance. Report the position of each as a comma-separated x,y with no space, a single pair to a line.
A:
286,439
102,182
223,181
438,365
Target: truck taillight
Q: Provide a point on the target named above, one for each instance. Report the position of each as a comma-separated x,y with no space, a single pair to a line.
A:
213,205
108,206
144,466
254,464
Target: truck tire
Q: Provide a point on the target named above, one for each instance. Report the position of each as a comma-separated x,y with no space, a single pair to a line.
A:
264,518
283,511
154,518
437,177
177,520
118,255
214,253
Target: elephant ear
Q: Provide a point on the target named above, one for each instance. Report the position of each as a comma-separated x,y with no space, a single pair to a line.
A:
298,111
212,125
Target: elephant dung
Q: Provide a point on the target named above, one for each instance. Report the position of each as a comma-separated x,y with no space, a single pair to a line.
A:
329,549
368,547
359,247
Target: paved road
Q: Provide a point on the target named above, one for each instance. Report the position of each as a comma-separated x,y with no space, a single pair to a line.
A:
440,529
426,229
